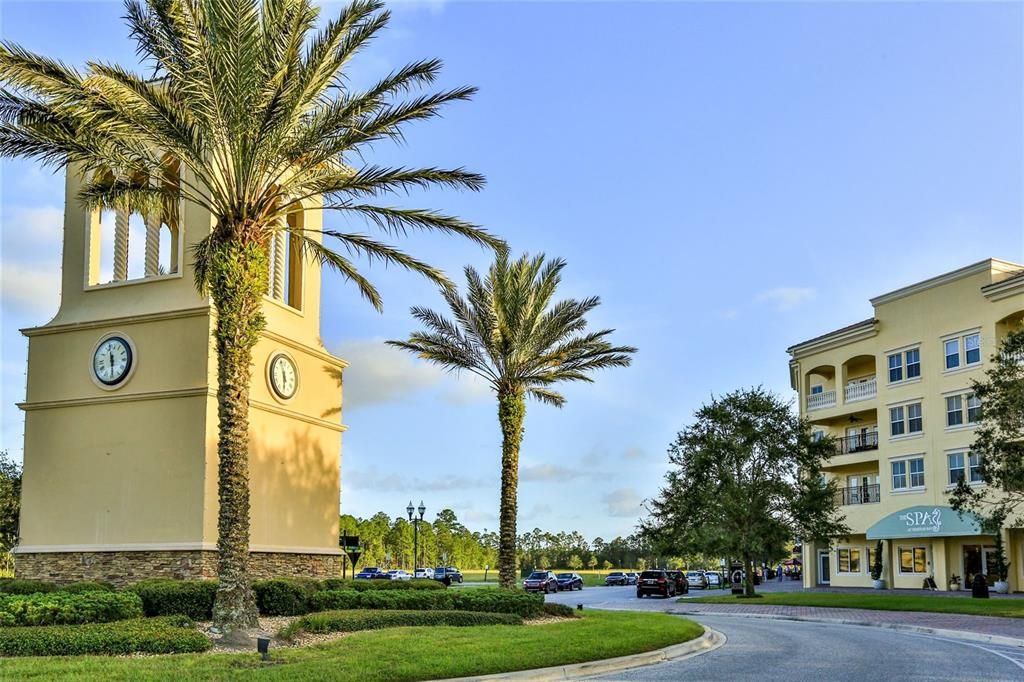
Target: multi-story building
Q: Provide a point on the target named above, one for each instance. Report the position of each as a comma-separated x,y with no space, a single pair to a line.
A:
895,391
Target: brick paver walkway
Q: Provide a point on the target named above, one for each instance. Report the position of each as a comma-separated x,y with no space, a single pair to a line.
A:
986,625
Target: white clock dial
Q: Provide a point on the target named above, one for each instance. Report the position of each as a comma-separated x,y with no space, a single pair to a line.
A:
284,378
112,361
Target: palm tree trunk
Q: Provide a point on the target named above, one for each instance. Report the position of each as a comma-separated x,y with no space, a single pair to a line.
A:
238,278
511,412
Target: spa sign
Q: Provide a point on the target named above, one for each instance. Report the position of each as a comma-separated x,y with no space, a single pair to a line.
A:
923,521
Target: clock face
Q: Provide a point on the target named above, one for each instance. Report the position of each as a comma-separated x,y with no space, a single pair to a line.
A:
112,361
284,377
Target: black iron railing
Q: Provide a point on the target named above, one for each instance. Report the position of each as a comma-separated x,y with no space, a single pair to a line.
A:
858,494
859,442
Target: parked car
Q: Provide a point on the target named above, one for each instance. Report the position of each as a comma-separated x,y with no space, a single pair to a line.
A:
541,581
424,573
680,581
399,574
616,578
631,578
447,575
713,578
697,579
569,581
655,582
369,573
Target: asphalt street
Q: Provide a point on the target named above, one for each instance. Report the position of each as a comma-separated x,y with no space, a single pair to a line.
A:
765,649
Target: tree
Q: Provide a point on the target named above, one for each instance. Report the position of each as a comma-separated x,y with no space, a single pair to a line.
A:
253,100
746,480
999,441
606,564
10,501
508,331
592,562
575,562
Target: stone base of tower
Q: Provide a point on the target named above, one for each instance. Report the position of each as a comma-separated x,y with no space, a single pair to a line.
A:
124,568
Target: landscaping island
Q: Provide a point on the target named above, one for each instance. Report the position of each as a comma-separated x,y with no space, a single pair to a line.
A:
417,631
1005,607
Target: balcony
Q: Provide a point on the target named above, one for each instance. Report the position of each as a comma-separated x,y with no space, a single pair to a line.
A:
820,401
858,494
859,442
863,390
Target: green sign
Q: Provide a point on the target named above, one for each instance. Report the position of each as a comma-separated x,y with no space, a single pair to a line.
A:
924,521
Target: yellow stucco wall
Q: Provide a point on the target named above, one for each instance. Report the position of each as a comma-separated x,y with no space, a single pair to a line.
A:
136,467
921,316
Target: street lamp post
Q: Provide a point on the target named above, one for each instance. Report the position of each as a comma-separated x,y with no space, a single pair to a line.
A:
415,532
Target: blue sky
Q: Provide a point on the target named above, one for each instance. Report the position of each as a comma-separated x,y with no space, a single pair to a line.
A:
730,178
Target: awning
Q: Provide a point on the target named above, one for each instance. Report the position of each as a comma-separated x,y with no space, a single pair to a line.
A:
925,522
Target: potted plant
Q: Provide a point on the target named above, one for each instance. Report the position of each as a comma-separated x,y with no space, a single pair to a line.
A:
1002,567
954,583
876,569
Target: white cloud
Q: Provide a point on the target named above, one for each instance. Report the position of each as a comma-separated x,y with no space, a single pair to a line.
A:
378,373
786,298
30,248
633,453
33,289
622,502
376,481
547,472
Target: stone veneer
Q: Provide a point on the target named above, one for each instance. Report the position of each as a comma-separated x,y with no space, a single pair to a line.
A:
123,568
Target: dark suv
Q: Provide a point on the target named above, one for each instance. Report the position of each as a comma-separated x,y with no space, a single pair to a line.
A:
679,578
447,575
541,581
655,582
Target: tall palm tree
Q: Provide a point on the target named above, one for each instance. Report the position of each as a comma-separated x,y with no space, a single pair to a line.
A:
508,331
253,100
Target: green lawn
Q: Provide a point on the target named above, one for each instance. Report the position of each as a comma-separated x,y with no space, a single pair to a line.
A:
393,655
1013,608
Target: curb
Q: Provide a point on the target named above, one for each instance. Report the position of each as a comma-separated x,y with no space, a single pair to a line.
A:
709,641
919,629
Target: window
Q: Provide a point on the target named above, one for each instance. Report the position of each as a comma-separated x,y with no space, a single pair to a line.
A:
908,474
972,349
913,559
917,472
816,389
871,558
973,409
849,560
956,467
896,427
952,353
817,435
974,463
954,410
913,363
915,423
899,475
895,368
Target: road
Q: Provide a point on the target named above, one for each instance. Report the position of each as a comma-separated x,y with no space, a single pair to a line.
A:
762,649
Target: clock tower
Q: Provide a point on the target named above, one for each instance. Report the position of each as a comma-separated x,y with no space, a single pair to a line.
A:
120,472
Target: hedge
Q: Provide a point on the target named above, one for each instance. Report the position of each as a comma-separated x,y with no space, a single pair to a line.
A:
87,586
167,597
560,610
68,608
489,601
366,585
284,596
351,621
20,586
144,635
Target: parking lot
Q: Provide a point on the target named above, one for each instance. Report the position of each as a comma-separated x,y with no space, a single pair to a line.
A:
624,597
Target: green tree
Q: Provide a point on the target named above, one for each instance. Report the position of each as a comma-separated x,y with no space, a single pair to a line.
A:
999,441
508,331
575,562
254,101
606,564
10,501
592,562
746,478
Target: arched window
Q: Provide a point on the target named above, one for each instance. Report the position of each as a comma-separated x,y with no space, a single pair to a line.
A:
285,255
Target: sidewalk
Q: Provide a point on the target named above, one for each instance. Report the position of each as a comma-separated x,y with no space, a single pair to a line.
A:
991,626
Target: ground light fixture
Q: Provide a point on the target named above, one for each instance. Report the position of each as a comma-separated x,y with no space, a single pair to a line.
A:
579,607
263,647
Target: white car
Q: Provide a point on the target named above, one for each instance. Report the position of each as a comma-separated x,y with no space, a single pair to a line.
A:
424,573
398,575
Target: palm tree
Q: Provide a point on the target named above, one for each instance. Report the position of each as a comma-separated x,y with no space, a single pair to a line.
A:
253,100
508,331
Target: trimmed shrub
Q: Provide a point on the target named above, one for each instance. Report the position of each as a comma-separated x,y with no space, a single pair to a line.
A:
559,610
66,608
87,586
284,596
144,635
167,597
20,586
351,621
489,601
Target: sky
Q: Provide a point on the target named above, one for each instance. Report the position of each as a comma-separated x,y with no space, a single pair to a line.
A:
729,178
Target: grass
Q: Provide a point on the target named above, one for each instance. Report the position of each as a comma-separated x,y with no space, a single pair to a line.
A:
393,655
1010,608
